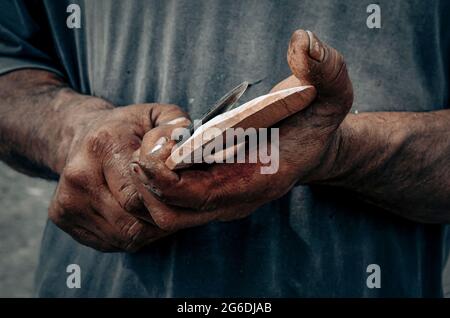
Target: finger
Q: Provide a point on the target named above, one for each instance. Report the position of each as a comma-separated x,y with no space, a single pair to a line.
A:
94,222
195,188
171,218
158,144
167,114
113,232
155,149
117,176
314,62
131,232
85,237
155,177
159,183
159,136
70,208
88,238
201,190
135,156
148,116
116,165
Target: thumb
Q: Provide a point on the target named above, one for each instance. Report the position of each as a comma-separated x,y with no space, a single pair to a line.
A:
149,162
315,63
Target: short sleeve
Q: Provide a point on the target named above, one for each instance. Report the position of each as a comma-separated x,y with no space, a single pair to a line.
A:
24,42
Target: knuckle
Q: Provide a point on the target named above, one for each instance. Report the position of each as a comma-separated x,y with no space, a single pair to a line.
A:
172,108
65,202
60,205
130,202
130,231
84,237
134,231
128,196
175,110
97,142
76,176
133,238
166,222
66,206
124,224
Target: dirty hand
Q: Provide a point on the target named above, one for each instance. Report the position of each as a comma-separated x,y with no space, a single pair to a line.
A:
198,195
96,201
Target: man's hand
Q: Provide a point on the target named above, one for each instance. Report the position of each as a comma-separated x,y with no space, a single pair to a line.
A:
383,157
47,129
96,201
314,131
198,195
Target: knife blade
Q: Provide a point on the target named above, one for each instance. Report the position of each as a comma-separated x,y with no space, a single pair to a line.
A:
225,103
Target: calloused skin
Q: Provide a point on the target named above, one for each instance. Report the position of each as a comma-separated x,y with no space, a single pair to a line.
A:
115,194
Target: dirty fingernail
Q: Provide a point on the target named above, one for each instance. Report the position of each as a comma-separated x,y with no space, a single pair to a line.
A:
138,171
316,49
161,141
134,167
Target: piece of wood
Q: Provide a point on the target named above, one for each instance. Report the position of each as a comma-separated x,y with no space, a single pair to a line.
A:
261,112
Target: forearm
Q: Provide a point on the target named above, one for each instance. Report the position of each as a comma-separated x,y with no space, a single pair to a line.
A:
38,112
398,161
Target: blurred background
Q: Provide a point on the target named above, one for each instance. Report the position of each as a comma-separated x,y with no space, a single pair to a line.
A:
23,213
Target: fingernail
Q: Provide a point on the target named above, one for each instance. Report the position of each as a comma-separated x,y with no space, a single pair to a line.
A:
138,171
134,167
177,121
316,49
161,141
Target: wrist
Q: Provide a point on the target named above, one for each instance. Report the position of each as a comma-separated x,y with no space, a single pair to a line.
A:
330,164
77,113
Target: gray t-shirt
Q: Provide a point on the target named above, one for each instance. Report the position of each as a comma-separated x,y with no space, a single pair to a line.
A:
315,241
